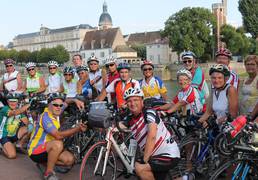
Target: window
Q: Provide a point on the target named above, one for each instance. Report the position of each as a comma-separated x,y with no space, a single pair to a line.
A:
92,44
83,55
159,58
102,54
102,43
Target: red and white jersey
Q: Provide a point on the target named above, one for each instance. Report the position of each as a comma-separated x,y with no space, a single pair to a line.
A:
233,79
192,98
164,144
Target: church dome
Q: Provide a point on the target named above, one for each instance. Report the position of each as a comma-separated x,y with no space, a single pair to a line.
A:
105,20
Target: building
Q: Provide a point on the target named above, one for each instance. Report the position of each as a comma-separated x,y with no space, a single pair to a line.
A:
159,52
107,42
69,37
2,47
142,38
220,12
105,20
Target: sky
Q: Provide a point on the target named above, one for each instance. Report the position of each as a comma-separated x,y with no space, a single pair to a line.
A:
26,16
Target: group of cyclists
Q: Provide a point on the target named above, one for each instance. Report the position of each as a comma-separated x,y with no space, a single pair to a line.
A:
114,83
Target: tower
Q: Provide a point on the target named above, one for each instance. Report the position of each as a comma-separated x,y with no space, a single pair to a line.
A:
105,20
225,5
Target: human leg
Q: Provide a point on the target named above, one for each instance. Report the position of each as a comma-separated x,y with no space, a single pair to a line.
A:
144,171
8,148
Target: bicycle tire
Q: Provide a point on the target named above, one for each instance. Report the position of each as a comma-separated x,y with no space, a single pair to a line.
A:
90,159
228,165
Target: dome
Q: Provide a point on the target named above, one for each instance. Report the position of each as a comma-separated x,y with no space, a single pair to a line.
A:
105,19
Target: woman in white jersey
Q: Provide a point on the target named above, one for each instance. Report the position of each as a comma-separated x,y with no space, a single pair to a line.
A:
11,80
69,84
54,79
97,76
224,97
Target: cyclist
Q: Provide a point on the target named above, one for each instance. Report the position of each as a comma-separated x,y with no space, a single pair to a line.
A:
35,82
97,76
11,80
54,79
198,80
249,90
46,145
119,86
13,125
224,98
223,56
77,62
82,72
69,84
161,152
187,98
113,74
152,86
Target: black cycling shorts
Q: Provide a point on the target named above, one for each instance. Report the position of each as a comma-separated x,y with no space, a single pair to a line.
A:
39,158
7,139
161,163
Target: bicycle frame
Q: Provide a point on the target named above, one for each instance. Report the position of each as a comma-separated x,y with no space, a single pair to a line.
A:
124,158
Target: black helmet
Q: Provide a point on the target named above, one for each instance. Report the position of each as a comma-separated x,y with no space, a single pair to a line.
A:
81,68
57,95
68,69
13,95
221,68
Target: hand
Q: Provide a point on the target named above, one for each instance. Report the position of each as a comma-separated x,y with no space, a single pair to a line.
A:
79,104
82,127
92,82
221,120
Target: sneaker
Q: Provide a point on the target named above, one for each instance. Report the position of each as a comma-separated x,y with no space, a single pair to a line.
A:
51,176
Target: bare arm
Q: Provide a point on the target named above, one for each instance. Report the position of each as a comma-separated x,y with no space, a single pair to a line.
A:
233,102
18,111
19,82
59,135
79,88
104,78
165,106
150,141
164,96
42,85
176,106
102,95
61,88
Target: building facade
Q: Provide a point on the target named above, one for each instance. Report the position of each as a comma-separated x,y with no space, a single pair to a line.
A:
69,37
105,20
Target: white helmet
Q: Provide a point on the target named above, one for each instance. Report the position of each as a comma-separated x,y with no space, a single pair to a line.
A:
52,63
133,92
184,72
110,60
92,58
30,64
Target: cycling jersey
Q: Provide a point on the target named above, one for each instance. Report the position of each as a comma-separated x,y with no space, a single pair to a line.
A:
97,77
192,99
87,89
32,84
9,125
154,88
249,96
54,82
220,101
110,79
41,133
10,81
164,143
119,87
233,79
199,83
70,89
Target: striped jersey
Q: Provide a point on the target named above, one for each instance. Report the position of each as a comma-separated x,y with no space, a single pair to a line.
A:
233,79
164,144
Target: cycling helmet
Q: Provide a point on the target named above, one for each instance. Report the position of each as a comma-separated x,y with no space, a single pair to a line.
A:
52,63
123,65
221,68
110,60
224,52
184,72
81,68
9,61
133,92
30,64
147,62
56,95
12,96
188,54
92,58
68,69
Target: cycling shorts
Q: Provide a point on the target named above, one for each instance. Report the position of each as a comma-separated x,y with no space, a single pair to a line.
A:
39,155
162,164
7,139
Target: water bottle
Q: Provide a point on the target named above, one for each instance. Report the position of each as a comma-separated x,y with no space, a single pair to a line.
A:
238,124
123,148
132,148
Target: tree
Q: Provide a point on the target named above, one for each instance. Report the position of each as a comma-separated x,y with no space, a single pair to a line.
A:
249,11
60,54
191,29
140,49
34,56
23,56
3,54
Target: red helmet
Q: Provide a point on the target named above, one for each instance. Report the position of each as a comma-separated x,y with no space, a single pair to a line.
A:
147,62
224,52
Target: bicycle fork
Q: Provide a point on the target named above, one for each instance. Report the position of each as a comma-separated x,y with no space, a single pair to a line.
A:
239,168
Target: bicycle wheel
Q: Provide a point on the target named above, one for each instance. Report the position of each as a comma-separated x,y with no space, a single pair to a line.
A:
236,169
93,163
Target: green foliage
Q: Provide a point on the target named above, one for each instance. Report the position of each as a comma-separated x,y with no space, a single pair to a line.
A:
249,11
23,56
191,29
140,49
236,40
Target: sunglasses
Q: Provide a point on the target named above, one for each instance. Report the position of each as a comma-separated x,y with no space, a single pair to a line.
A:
188,61
110,65
67,74
82,72
52,68
9,65
147,69
91,64
58,105
32,69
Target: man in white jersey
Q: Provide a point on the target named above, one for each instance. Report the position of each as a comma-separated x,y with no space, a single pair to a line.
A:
160,151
